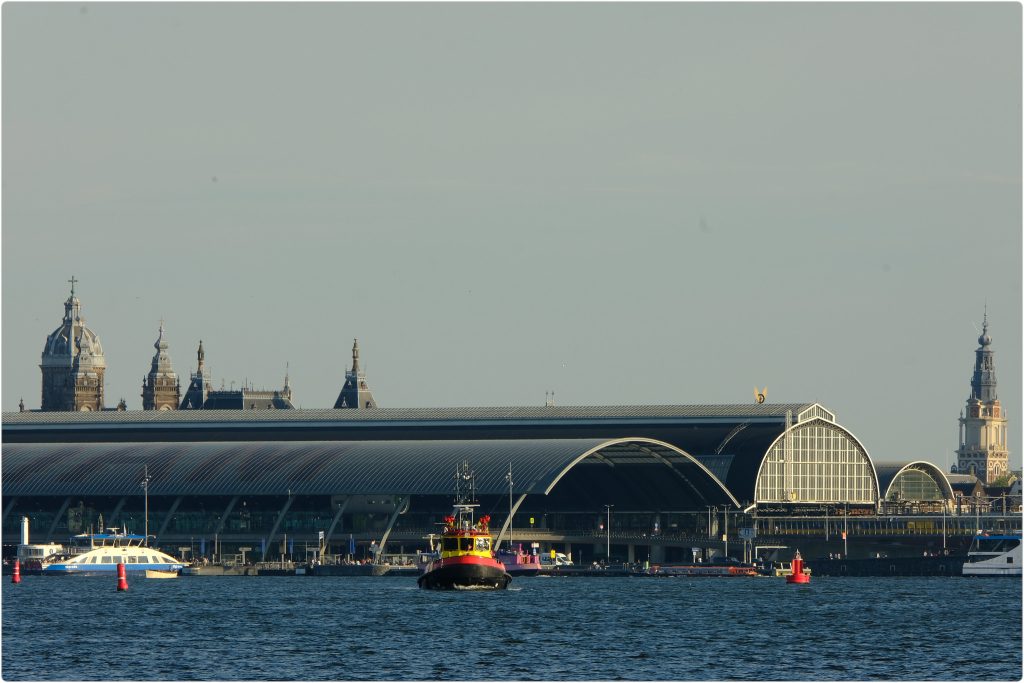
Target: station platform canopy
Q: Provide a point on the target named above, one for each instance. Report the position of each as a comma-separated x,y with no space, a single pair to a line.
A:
913,481
588,472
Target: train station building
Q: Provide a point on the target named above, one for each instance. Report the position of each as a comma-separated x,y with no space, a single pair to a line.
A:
661,476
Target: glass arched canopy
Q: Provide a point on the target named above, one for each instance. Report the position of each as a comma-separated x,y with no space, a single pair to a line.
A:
816,462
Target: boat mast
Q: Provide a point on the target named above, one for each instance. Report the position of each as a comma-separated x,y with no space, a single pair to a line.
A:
464,504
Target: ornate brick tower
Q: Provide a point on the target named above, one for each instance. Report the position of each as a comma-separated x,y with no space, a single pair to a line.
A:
73,364
983,424
161,389
355,394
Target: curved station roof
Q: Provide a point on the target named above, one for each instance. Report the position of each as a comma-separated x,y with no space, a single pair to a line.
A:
618,471
889,474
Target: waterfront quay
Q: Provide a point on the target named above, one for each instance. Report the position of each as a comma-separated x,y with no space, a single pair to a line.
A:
364,553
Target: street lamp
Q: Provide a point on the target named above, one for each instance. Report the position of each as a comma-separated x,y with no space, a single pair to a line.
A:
145,489
725,532
608,533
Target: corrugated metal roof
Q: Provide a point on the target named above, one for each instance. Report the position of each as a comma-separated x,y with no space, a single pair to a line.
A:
331,467
740,412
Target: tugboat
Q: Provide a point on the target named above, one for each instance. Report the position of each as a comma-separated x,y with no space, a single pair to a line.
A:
466,558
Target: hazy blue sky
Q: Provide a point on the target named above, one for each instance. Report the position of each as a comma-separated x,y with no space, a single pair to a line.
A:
622,203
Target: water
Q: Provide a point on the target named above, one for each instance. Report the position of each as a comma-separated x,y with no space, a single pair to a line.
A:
338,628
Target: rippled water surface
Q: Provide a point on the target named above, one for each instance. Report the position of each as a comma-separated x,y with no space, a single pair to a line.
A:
330,628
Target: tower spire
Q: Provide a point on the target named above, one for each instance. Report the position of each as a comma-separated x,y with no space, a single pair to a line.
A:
355,394
983,448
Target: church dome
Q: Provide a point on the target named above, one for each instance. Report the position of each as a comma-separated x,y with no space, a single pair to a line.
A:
73,340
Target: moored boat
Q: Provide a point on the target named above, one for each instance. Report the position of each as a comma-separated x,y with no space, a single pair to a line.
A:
518,562
101,553
994,555
709,569
466,558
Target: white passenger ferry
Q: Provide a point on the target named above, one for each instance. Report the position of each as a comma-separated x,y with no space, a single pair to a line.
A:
101,553
994,555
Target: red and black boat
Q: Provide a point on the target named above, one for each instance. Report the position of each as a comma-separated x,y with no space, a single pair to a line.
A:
466,556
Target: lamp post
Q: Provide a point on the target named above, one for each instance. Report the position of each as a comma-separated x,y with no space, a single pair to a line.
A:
509,478
608,533
846,526
145,489
943,526
725,531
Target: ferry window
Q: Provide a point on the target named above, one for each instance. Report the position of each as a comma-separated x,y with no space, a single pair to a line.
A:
107,559
465,543
153,559
483,544
450,544
133,559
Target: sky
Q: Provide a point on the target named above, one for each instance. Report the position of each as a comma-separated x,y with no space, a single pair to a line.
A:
623,204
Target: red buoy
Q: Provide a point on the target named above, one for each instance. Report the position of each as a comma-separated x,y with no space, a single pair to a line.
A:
16,576
122,577
798,575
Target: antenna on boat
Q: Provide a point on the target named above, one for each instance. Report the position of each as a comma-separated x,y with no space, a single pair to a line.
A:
145,489
464,504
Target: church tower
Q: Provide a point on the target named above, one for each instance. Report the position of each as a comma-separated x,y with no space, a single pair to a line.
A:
72,363
161,389
198,386
355,394
983,423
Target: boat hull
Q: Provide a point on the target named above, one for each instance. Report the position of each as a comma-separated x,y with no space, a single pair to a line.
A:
106,569
464,572
994,555
702,570
515,571
160,574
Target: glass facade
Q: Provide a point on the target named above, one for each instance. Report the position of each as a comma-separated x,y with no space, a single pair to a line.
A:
817,462
914,485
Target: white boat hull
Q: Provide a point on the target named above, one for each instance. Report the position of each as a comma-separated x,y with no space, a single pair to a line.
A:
998,555
160,574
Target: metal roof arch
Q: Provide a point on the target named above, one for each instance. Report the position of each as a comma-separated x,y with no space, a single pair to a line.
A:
643,441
